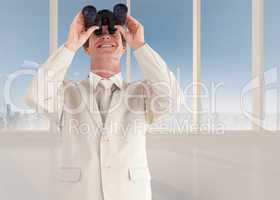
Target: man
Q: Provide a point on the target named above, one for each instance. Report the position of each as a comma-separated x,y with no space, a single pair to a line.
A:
103,118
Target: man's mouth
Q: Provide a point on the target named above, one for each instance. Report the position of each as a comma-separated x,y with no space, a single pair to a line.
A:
105,46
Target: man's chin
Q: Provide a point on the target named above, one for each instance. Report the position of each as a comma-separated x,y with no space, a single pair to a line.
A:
106,54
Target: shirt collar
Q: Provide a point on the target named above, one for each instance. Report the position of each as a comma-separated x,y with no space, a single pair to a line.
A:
95,78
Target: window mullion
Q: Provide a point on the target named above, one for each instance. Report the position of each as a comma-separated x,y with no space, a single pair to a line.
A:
53,26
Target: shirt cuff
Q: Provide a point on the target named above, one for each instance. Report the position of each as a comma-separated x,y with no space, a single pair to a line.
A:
68,52
144,49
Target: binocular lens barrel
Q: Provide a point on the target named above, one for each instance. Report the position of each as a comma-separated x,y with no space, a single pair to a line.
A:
104,17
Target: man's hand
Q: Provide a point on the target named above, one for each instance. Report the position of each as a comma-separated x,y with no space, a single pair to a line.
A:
135,34
77,35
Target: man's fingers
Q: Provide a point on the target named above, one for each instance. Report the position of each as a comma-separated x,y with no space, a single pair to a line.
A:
132,23
122,31
78,16
131,19
91,30
88,33
78,20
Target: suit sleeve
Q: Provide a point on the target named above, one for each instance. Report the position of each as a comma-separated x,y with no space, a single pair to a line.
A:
45,91
163,95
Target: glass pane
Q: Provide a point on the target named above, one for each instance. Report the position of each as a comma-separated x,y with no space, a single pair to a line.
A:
272,64
226,63
168,30
24,44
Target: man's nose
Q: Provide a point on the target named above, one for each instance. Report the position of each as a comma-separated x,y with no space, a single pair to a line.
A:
106,36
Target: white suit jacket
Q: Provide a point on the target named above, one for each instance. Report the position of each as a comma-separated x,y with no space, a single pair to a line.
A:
104,161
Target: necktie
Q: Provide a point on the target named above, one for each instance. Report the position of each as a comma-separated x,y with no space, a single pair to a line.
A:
104,99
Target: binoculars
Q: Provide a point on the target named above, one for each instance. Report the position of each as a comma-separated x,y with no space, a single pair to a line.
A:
104,17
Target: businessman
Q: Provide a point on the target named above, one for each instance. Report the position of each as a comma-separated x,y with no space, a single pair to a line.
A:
103,119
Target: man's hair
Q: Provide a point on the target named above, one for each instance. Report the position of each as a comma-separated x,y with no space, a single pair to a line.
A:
123,42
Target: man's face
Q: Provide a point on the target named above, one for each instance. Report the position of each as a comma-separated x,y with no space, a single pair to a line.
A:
106,45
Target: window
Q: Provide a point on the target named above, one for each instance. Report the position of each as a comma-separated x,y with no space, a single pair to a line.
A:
168,30
24,43
272,64
226,62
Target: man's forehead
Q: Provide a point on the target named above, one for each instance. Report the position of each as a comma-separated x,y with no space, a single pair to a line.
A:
105,28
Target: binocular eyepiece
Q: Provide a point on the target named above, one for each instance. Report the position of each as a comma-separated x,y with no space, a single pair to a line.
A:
104,17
